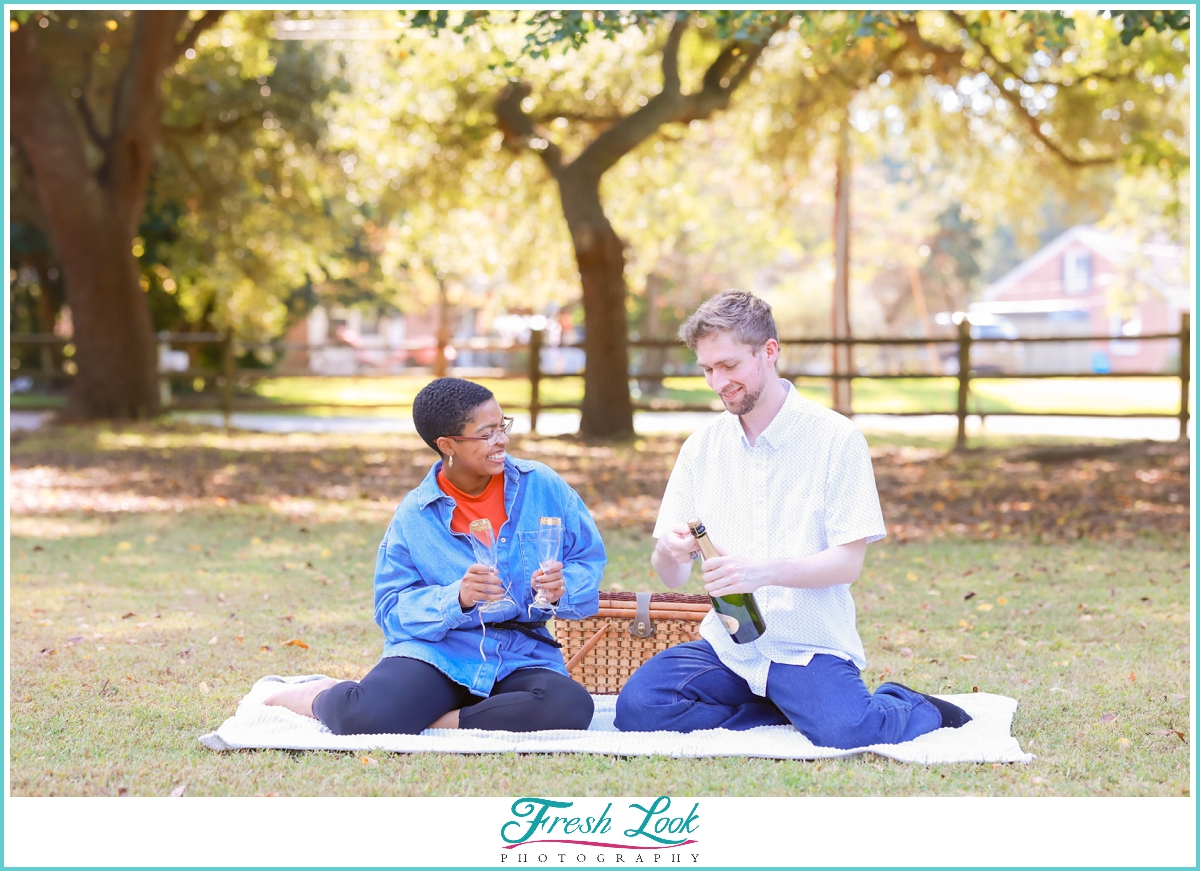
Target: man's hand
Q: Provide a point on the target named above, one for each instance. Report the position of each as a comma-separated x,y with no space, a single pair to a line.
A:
550,582
672,557
479,584
678,544
726,575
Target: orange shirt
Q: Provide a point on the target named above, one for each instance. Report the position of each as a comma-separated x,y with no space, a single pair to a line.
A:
489,504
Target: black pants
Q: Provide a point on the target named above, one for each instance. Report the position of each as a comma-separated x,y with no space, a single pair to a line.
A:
403,695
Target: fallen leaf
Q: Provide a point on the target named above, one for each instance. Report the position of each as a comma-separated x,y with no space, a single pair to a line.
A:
967,656
178,791
1001,601
911,576
203,687
195,547
367,760
74,639
906,652
287,617
122,791
984,606
1132,679
295,642
266,648
150,539
970,595
125,545
256,540
1124,742
212,640
127,616
326,552
1107,718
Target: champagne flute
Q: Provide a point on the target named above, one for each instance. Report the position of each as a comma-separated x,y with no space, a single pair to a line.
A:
549,543
483,542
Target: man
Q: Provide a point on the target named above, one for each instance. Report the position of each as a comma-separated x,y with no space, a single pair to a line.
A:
786,491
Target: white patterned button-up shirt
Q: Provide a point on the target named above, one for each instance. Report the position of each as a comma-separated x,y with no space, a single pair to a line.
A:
804,486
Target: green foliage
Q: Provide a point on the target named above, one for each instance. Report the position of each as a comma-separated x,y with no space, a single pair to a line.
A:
1135,22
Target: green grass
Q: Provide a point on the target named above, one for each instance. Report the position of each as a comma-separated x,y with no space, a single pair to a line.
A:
934,395
1077,395
132,634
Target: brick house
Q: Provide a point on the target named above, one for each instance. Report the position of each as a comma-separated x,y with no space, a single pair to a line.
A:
1088,282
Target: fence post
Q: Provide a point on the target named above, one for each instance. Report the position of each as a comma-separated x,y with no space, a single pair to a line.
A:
535,377
964,381
227,370
1185,372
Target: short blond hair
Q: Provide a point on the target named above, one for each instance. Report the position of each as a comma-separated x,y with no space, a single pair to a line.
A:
743,314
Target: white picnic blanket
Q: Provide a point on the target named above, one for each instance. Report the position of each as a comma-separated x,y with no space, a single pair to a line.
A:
256,726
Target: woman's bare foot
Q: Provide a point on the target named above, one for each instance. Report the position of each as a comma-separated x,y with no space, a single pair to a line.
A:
299,697
448,720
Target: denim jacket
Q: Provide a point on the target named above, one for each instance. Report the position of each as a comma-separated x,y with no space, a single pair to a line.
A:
421,564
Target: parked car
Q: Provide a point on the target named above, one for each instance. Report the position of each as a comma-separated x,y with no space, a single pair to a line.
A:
999,353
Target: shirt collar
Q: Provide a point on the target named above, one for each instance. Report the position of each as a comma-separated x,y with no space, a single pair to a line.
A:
776,432
429,492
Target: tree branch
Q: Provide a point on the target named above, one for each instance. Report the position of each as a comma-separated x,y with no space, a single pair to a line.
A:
670,54
1014,99
85,109
202,24
518,129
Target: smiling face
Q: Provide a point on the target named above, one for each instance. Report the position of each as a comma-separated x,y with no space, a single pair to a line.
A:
735,370
474,457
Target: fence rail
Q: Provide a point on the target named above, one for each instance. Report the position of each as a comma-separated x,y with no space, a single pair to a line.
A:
227,376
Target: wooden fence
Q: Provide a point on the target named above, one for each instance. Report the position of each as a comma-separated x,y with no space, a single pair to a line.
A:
228,376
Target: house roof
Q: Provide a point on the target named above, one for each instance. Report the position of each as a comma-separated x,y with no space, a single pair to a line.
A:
1157,263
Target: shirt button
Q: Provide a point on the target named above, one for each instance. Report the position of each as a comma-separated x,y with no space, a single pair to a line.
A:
503,540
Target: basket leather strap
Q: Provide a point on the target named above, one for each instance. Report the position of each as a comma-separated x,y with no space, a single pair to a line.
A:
640,626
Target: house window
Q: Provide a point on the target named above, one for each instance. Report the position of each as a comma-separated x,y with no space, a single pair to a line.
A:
1077,271
1126,345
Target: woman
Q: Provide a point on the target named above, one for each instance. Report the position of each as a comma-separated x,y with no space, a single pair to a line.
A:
447,662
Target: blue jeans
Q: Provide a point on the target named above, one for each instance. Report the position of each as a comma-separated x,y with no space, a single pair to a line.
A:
686,687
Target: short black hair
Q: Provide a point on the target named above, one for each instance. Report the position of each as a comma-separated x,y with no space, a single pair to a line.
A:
445,406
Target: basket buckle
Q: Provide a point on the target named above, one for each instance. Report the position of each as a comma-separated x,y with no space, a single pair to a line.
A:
640,626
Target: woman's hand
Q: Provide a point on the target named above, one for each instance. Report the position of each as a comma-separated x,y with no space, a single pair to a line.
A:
479,584
550,582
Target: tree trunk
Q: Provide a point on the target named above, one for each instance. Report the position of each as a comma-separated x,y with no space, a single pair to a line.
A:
91,215
599,252
607,411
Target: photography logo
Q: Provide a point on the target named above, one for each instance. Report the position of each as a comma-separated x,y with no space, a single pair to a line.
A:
543,831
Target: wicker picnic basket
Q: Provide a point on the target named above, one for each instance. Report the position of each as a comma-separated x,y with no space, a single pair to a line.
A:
602,651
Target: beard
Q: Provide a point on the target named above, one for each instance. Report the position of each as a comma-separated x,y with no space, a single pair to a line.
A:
748,401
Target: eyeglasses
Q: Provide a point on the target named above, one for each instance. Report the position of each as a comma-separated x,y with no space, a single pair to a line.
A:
491,438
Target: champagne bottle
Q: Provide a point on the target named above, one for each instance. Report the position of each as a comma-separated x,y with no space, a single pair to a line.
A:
738,612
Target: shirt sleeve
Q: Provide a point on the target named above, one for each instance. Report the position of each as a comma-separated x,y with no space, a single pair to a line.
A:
407,606
679,499
852,508
584,559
